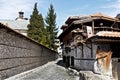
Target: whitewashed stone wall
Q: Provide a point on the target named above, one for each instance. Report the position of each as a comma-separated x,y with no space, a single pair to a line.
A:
18,53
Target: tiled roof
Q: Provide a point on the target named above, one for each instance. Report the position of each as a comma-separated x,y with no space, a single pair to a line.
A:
92,17
101,15
108,34
83,20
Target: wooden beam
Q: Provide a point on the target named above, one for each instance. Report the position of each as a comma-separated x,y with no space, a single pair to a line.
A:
76,52
113,24
88,46
91,51
82,51
80,48
92,27
84,59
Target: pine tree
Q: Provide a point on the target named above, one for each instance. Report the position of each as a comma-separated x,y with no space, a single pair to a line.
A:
51,28
36,26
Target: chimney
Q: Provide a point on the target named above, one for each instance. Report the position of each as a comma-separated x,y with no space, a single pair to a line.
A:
21,15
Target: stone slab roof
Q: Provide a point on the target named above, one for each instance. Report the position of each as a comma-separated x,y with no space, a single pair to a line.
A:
16,24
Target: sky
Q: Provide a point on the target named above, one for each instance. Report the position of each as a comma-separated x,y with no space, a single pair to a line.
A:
63,8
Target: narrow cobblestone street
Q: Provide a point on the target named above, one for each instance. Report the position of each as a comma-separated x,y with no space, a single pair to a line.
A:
49,71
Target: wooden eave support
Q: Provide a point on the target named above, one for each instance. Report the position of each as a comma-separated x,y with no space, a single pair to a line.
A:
86,45
113,24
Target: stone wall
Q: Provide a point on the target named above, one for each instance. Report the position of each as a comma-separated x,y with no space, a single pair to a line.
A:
19,53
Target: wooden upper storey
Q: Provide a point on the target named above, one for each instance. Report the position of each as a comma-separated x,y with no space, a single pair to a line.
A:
97,22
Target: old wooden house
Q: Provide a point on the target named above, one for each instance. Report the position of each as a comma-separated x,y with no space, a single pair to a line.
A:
92,43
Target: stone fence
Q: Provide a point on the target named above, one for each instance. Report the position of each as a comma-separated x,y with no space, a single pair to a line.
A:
19,53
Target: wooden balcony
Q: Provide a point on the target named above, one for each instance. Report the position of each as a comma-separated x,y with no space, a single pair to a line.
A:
97,29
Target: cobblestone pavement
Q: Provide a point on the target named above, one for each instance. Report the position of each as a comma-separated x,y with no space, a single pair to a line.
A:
49,71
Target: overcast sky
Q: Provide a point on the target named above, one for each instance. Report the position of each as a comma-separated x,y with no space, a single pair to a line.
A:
64,8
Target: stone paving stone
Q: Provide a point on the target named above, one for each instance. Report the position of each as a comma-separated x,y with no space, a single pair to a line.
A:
49,71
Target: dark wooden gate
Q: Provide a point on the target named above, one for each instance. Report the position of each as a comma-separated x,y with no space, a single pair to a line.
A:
118,65
68,61
64,59
115,47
